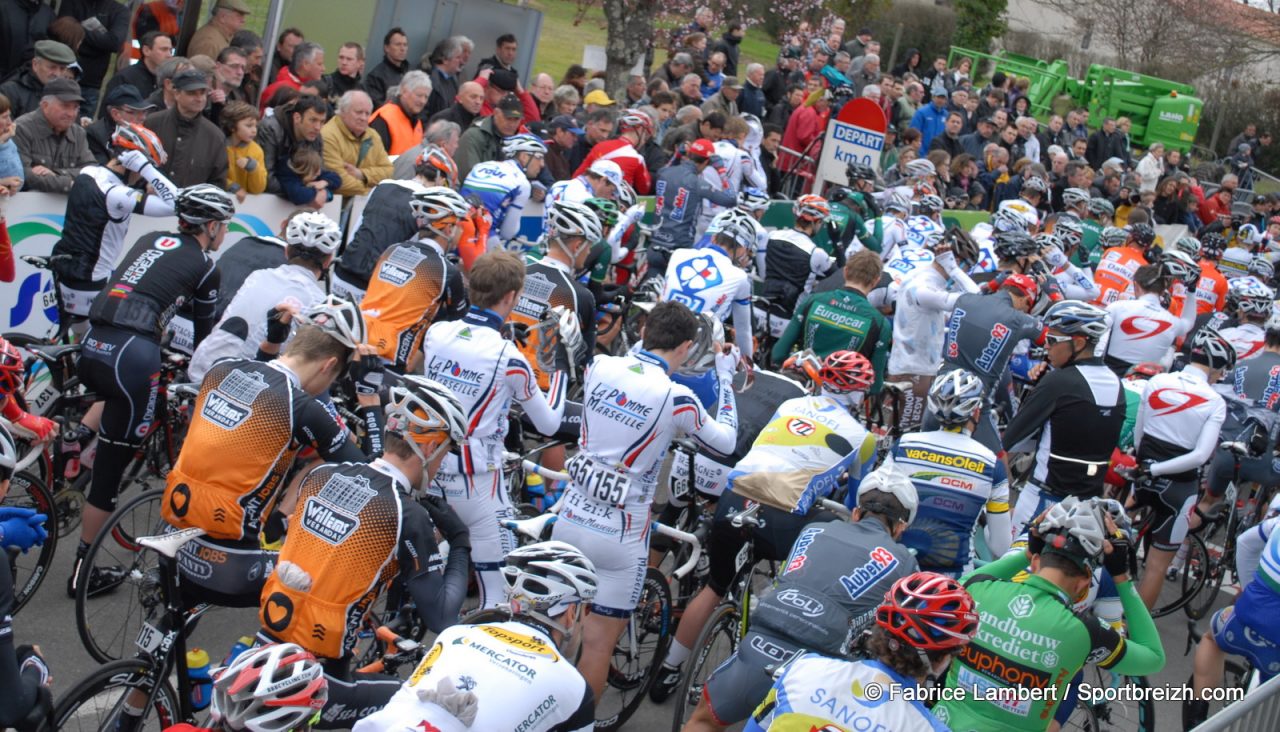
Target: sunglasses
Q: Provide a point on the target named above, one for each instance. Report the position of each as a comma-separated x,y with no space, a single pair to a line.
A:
1053,340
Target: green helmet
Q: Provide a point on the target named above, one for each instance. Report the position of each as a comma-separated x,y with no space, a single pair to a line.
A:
606,210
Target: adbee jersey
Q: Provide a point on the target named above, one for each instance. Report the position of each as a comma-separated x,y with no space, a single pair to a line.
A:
957,480
1247,338
920,228
504,189
522,680
1114,274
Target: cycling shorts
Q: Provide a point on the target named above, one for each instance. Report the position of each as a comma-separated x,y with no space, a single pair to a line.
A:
772,541
735,688
76,303
481,501
224,573
915,397
343,288
1172,501
122,369
616,540
1233,636
1252,470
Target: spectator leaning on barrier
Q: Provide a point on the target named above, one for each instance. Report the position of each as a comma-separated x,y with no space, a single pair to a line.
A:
51,143
11,175
393,66
398,123
227,18
195,145
123,105
247,169
51,61
352,149
295,124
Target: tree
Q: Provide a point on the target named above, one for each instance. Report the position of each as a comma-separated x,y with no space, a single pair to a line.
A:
978,22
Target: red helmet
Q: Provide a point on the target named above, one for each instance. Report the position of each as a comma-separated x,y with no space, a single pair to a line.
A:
1023,284
129,136
434,157
1144,370
928,611
811,207
12,371
635,120
847,371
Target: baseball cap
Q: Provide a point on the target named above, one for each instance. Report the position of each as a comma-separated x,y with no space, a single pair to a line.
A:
64,90
541,129
987,121
731,82
608,170
190,80
565,122
510,106
1257,200
939,89
504,79
58,53
701,147
240,6
599,98
127,95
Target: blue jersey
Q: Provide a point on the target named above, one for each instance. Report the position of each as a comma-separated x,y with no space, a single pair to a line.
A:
504,189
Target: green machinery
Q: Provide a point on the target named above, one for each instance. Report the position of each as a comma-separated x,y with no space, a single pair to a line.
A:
1161,110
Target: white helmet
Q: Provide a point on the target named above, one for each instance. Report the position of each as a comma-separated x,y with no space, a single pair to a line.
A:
608,170
547,577
921,168
313,230
955,396
1076,197
523,143
274,688
1035,183
736,225
1073,527
1016,207
752,200
887,479
625,196
338,317
419,406
438,206
566,218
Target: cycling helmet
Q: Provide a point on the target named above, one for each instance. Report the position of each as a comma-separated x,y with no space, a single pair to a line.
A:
1023,284
928,611
1144,370
1045,240
1262,268
8,454
1015,245
427,414
1142,234
129,136
844,372
1239,289
313,230
894,202
736,225
928,205
1188,245
1009,220
962,245
1211,349
626,196
438,207
811,208
1112,236
1035,184
523,143
605,210
13,372
1101,207
921,168
274,688
1073,197
434,158
566,218
887,479
1273,322
1075,317
955,396
633,120
204,203
608,170
1212,245
1073,529
753,200
1178,265
339,318
1070,230
1249,234
1255,299
547,577
861,171
702,354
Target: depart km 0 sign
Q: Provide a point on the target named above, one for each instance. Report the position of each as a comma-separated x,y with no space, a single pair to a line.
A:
856,134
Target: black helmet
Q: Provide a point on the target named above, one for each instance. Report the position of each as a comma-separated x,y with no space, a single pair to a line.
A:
203,203
1211,349
1143,234
859,171
1212,245
962,245
1015,245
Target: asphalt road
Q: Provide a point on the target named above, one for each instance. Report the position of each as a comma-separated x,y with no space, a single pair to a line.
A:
49,621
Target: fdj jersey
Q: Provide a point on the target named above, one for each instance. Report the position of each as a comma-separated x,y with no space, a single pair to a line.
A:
920,228
706,281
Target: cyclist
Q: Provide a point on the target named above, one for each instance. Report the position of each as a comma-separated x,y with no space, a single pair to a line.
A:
678,195
503,186
120,359
893,225
1254,308
1029,637
631,410
415,283
278,687
312,239
843,567
1010,217
1141,329
487,373
843,319
956,479
1065,241
863,228
100,204
389,218
517,673
1211,291
13,374
713,279
793,262
804,435
922,623
755,204
1176,432
925,221
1075,202
1075,413
1100,216
732,167
353,529
635,130
1115,271
602,179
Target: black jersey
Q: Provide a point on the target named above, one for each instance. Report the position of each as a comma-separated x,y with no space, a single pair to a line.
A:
160,274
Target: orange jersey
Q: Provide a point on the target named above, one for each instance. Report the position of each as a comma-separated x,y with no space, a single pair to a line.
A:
249,422
1211,290
549,284
1114,274
412,286
352,532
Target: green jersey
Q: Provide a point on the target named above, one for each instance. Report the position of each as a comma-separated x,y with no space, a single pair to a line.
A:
852,214
1089,253
1030,644
838,320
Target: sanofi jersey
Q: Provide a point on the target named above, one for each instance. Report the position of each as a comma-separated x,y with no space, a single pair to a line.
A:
957,479
809,433
706,281
504,189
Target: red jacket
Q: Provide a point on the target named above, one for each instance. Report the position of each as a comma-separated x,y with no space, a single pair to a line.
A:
1212,208
624,154
531,113
287,78
806,125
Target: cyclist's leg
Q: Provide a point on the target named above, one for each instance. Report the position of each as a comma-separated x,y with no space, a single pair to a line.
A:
75,303
1068,703
481,501
1031,503
353,695
1172,502
735,688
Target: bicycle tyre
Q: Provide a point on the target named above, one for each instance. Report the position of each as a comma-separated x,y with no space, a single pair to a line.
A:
1124,716
114,678
30,569
1214,571
1193,583
631,678
721,626
104,638
1082,719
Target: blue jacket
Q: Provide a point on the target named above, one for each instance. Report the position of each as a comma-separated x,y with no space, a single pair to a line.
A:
931,122
10,161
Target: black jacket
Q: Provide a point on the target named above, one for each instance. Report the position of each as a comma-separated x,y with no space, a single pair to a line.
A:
23,91
340,84
99,135
137,74
776,82
95,51
951,145
197,148
494,63
443,90
382,77
455,113
728,45
22,23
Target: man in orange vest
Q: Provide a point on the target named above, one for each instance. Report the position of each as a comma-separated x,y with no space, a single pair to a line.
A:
399,121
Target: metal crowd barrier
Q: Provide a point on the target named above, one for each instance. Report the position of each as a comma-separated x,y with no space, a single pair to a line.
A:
1259,710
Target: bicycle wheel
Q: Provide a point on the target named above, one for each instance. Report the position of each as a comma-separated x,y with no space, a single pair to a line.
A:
30,569
96,702
1082,719
1190,580
109,621
1212,570
716,643
638,653
1124,714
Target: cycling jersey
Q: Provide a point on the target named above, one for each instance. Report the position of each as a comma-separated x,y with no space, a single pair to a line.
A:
1142,330
1029,638
243,326
828,695
522,680
1076,283
1178,423
415,285
1258,381
1235,263
957,480
762,241
1247,338
622,152
853,232
920,228
794,264
387,219
549,283
706,281
678,196
1114,273
983,331
918,326
503,188
1089,253
1217,320
731,168
242,259
839,320
160,274
893,236
259,413
1211,290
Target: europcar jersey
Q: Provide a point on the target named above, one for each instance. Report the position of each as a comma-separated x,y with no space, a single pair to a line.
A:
522,680
504,190
956,479
706,281
821,694
1114,274
412,285
352,532
549,284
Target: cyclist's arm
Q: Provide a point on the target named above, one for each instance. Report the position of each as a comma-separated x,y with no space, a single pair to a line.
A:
880,354
315,427
586,311
161,203
1249,548
1077,285
1140,654
455,303
999,520
688,415
22,690
1200,454
791,334
727,197
584,717
204,316
511,222
545,411
1006,567
1187,318
1034,412
437,595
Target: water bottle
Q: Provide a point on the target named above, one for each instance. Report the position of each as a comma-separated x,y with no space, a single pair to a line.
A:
71,453
201,681
240,646
534,488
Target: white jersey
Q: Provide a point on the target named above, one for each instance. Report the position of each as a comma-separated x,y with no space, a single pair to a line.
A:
244,323
522,680
504,190
920,321
893,234
486,371
1142,330
706,281
984,236
920,228
1248,340
731,169
573,190
809,433
1178,422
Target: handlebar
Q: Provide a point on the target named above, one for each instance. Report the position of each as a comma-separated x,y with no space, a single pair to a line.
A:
684,537
835,507
747,517
1235,446
532,467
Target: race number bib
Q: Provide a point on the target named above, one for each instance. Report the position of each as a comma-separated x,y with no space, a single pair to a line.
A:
598,481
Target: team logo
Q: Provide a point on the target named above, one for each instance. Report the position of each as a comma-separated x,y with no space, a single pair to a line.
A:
326,523
1172,401
699,273
800,427
877,567
1141,327
277,611
167,244
1021,606
224,412
808,606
